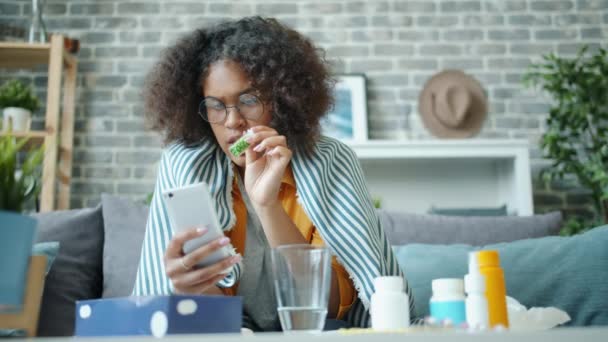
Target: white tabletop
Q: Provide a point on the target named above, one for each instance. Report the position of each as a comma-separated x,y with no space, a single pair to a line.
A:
555,335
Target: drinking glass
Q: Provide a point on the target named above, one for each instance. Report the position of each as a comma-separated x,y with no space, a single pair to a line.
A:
302,275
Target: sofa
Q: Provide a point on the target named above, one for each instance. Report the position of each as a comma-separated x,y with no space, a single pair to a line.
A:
100,247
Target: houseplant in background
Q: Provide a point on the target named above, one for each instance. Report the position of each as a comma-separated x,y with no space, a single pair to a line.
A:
18,102
18,184
577,126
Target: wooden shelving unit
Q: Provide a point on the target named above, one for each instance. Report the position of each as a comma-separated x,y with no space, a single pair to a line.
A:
58,135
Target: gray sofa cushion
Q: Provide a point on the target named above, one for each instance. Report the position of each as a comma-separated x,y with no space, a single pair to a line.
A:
404,228
474,211
124,228
76,272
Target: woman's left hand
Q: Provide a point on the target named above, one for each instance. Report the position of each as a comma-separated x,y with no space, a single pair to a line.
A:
266,160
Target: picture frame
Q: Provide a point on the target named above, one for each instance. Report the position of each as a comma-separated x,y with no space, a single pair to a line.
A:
347,120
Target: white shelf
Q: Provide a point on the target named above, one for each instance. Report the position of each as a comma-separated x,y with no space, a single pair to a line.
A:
415,175
440,149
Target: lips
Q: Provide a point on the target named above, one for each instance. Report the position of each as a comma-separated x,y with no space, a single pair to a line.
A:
233,138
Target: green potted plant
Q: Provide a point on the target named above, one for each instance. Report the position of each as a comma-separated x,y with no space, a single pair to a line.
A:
18,102
17,186
577,125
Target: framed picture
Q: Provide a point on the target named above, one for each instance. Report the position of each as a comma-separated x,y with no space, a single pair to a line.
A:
347,121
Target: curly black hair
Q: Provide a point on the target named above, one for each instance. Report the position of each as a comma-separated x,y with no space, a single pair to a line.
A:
284,66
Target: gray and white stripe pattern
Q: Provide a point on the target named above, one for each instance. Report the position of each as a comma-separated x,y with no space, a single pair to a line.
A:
331,189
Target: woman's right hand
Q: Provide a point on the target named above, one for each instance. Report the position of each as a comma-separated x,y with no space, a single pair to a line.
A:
187,279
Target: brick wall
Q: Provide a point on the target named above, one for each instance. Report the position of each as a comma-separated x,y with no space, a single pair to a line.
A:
397,44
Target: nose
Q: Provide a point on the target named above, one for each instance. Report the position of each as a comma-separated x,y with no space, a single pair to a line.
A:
233,118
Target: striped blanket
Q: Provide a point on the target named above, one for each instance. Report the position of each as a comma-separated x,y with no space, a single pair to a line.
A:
331,189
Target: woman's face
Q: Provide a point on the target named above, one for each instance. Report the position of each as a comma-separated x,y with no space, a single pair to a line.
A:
228,84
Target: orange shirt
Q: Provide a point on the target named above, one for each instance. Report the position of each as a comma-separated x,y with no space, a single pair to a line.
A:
287,196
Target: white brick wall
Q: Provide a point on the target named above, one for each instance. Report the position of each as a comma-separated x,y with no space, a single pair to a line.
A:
397,43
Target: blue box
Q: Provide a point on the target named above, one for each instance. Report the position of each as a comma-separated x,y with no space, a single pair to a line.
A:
16,239
159,315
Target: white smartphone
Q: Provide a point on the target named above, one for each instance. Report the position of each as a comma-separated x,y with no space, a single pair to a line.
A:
189,207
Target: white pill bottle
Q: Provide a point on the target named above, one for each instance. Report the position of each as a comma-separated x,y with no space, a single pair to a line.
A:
389,305
476,304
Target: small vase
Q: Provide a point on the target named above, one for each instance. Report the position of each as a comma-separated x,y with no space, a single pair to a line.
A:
16,119
37,32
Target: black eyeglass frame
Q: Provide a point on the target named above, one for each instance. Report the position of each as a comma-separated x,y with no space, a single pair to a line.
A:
202,109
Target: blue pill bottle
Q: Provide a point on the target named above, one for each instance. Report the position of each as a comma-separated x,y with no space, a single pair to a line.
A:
448,301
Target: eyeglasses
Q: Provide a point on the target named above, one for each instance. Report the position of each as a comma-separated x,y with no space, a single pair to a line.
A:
213,110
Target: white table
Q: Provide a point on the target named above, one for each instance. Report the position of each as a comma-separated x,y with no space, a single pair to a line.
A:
555,335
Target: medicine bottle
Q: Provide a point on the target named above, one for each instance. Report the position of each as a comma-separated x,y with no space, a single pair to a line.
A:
389,307
496,293
447,302
476,304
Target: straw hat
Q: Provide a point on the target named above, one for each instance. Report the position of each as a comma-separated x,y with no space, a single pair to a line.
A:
452,104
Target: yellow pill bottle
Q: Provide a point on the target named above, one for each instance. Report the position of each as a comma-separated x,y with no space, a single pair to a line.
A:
496,292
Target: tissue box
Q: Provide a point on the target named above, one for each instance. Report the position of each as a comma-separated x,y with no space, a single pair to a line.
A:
158,315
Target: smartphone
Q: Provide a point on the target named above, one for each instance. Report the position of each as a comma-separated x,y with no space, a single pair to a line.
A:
189,207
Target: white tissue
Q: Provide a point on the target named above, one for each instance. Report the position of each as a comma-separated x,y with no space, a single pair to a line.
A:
522,319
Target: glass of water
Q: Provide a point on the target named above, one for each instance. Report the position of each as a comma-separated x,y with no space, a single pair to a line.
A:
302,275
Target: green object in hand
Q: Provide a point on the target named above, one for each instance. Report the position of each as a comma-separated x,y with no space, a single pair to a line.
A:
240,145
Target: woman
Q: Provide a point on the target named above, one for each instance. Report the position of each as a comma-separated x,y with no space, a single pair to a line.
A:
291,186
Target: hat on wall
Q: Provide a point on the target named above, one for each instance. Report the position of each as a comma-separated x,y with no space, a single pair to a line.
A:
452,104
